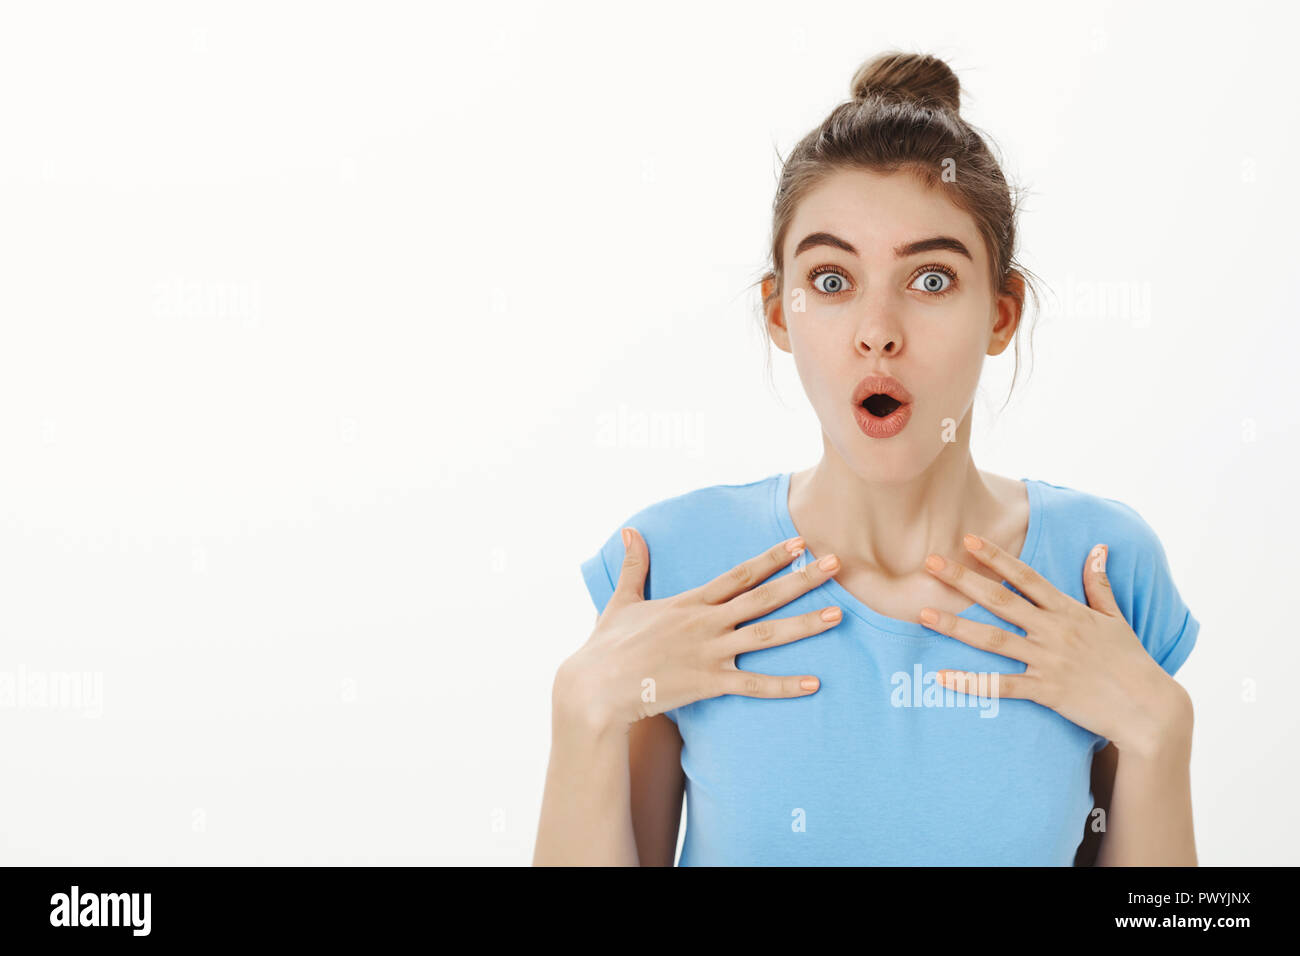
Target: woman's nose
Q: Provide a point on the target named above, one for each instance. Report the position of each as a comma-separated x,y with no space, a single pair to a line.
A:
875,337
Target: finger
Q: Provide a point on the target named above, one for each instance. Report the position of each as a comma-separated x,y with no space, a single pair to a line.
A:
749,573
1096,583
636,565
1017,573
997,598
773,632
777,593
986,637
989,684
749,684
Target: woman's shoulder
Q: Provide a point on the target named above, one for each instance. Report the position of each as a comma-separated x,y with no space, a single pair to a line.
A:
1074,521
1093,512
692,535
1137,565
706,504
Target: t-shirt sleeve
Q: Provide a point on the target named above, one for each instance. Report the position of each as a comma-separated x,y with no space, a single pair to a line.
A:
1155,609
601,571
600,584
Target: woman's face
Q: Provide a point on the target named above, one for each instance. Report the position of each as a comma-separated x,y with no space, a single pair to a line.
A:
925,316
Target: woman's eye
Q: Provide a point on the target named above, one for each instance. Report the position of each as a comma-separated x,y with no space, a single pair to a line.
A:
932,280
828,283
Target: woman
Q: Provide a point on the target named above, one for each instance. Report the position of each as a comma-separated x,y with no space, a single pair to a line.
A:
882,576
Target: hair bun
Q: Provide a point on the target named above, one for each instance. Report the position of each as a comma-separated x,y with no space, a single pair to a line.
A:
917,76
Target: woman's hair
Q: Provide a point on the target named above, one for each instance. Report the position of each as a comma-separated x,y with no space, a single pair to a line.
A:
904,115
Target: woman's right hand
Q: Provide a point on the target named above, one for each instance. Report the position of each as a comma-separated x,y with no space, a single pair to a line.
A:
648,656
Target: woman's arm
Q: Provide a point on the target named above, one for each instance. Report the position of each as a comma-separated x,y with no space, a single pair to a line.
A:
587,805
1150,817
613,798
614,790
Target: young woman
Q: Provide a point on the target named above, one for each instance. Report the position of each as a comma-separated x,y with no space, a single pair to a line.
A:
982,667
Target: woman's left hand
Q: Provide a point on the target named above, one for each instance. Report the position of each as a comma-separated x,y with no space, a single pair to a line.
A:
1083,661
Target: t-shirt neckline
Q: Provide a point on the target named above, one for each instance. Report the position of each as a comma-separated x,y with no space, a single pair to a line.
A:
873,618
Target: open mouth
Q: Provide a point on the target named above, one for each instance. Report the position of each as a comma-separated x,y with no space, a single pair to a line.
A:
881,405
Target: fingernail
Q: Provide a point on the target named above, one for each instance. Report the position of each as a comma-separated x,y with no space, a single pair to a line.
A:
831,614
829,563
794,545
1105,551
627,538
1097,559
935,563
972,542
928,616
809,683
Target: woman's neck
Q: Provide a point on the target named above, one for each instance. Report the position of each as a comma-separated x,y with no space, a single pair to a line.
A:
893,525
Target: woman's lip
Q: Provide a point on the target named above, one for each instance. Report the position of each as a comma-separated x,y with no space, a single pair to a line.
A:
886,427
880,385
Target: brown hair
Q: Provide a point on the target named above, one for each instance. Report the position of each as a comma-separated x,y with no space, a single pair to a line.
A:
904,115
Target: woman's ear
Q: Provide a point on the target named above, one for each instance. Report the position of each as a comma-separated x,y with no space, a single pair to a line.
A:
774,314
1010,303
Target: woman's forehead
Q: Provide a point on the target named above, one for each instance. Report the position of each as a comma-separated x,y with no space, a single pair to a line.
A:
877,211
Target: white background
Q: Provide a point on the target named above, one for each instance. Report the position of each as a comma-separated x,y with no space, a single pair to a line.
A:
319,322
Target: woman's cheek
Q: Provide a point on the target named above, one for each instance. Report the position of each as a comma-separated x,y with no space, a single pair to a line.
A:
808,365
943,376
807,337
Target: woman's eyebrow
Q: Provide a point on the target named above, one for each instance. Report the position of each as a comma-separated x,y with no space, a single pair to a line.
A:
900,252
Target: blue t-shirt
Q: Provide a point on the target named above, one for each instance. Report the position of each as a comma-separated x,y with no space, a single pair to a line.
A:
880,766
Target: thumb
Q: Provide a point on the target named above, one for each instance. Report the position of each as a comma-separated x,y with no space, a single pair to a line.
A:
636,564
1096,584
